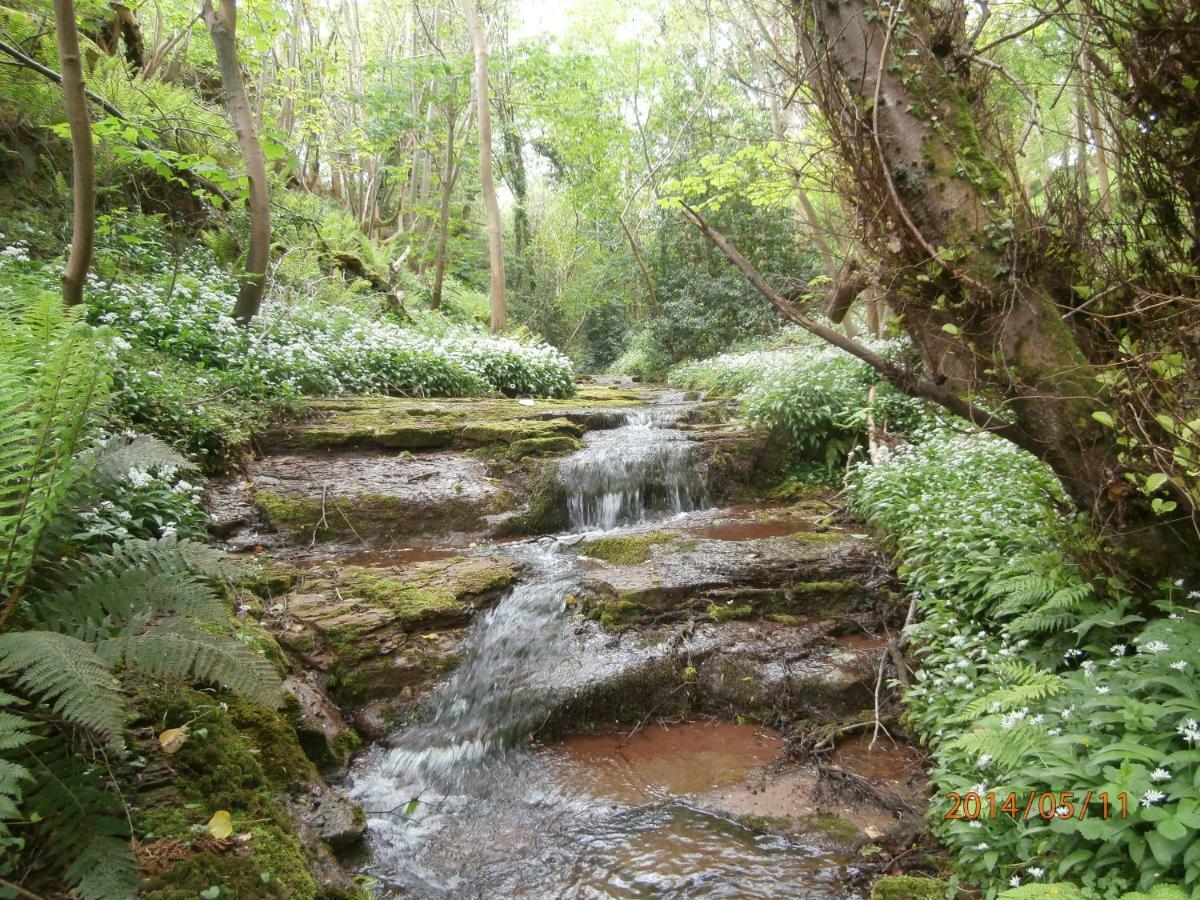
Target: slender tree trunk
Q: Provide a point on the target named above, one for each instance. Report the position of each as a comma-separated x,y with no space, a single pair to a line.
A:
491,206
448,178
222,25
75,97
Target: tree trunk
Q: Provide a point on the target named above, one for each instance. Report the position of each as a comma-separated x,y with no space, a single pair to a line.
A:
448,178
222,25
83,231
491,206
984,313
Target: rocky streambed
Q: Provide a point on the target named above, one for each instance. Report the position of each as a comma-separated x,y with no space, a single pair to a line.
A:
554,648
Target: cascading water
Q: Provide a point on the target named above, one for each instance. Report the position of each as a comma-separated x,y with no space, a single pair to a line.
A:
458,808
631,474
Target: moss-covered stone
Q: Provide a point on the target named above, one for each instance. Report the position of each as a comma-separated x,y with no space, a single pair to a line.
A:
544,446
414,424
626,549
546,512
359,515
724,612
908,887
616,614
272,579
239,757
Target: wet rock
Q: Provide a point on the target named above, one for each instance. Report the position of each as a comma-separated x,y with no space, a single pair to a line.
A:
413,424
359,496
374,631
325,821
321,811
324,735
657,576
773,672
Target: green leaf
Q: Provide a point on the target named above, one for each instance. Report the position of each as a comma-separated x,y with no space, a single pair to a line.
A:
1104,418
950,328
1155,481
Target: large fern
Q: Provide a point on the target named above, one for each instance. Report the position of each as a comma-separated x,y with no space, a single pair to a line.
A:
82,824
50,381
68,676
68,624
175,648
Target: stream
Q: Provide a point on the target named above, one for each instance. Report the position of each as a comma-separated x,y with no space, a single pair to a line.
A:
463,804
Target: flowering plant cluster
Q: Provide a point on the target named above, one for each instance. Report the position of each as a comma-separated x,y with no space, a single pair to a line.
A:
315,349
1036,678
814,396
189,372
151,498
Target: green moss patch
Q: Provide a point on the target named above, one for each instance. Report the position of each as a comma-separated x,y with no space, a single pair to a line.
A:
239,758
626,550
908,887
724,612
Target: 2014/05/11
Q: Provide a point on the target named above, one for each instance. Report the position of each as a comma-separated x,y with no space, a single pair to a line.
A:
1046,804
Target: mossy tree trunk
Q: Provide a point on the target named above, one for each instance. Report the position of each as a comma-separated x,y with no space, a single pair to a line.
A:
973,279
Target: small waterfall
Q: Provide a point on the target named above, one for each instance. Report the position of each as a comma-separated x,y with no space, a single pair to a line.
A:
640,471
493,697
462,770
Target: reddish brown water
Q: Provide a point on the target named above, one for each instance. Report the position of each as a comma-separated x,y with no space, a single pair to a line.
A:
746,523
400,556
886,761
655,762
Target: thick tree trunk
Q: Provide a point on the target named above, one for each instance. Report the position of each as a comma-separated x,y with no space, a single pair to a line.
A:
222,25
83,232
491,206
982,307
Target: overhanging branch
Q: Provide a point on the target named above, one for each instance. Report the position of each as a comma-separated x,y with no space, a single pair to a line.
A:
903,380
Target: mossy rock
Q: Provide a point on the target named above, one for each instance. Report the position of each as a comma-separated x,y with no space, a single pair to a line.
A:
272,579
728,612
546,512
628,549
359,515
617,614
908,887
544,446
416,424
239,758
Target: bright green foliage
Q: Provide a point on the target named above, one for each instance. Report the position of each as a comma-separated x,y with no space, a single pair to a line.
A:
51,378
814,397
72,620
1104,700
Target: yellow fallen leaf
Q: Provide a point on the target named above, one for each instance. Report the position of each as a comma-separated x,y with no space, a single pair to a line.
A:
432,636
172,739
220,825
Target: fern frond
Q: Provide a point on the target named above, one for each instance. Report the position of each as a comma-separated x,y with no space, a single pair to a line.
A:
50,380
14,734
170,555
122,454
1007,747
1022,685
104,601
177,649
68,675
83,827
